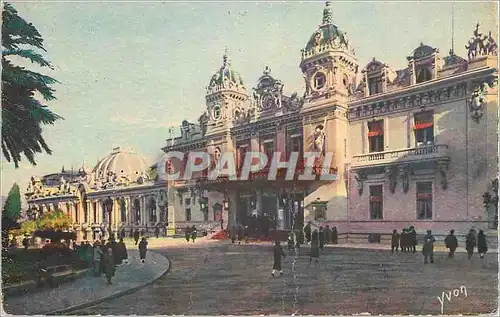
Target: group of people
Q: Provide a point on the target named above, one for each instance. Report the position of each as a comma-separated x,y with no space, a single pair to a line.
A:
190,233
325,235
408,241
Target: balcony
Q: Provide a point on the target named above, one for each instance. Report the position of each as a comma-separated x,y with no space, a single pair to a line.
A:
411,155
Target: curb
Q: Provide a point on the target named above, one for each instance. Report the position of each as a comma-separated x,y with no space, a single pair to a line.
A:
113,296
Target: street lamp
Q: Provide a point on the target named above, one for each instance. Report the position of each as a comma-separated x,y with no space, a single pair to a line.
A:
109,208
492,200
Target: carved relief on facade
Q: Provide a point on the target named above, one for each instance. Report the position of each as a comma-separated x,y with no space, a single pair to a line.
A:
359,179
405,178
392,176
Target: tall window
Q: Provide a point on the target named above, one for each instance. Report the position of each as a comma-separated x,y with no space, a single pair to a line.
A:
137,210
424,128
152,210
376,202
374,86
319,81
187,208
76,213
94,209
424,74
294,142
267,142
242,150
376,135
424,200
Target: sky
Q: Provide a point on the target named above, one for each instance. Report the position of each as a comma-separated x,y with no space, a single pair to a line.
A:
131,70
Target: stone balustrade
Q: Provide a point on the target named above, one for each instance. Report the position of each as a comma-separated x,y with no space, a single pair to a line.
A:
421,153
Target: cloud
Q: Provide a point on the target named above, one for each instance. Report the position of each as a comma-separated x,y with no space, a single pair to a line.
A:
147,122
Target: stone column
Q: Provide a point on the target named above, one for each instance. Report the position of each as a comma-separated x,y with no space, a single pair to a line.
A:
171,211
413,76
258,201
230,215
367,84
128,210
143,211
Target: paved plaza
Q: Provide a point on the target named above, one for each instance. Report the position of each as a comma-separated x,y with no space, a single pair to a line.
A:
219,278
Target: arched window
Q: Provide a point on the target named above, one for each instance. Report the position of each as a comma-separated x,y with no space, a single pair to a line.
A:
152,209
85,209
123,210
104,216
94,210
137,210
424,75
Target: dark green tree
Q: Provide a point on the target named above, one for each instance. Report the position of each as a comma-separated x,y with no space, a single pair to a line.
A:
22,113
11,213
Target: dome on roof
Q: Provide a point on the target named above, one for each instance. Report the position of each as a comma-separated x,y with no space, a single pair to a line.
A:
225,75
121,164
327,32
423,51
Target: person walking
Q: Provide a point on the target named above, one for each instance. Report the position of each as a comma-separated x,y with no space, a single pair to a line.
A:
335,236
109,265
233,234
321,237
136,236
328,235
157,232
121,250
482,246
403,240
314,246
428,248
143,248
194,233
470,243
187,233
412,235
451,243
277,254
394,241
97,258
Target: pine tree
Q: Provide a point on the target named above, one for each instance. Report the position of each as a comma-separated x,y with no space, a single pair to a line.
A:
22,113
12,207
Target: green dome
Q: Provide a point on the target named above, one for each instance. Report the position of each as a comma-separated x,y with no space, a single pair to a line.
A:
225,73
327,33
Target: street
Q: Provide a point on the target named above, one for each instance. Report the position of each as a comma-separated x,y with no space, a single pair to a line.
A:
220,278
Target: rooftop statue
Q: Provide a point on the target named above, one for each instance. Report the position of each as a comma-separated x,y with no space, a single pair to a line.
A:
480,44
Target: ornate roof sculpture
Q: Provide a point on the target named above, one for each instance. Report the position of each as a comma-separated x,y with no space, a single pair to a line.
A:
225,77
422,51
481,44
327,36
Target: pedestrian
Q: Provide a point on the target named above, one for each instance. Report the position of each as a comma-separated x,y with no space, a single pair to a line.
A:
109,265
307,232
451,243
314,246
470,243
97,259
321,237
122,252
143,248
482,246
136,236
131,236
157,232
395,240
233,234
328,234
428,247
194,233
403,240
277,254
413,239
335,236
143,232
187,233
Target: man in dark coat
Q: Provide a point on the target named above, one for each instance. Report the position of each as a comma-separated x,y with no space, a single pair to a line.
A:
157,232
143,248
277,254
428,248
314,246
394,240
470,243
451,243
482,246
328,234
136,236
109,265
307,232
335,236
187,233
194,233
403,240
143,233
413,239
321,237
122,252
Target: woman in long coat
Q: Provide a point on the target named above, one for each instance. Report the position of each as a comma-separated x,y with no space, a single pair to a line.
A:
482,246
470,243
314,246
109,265
143,248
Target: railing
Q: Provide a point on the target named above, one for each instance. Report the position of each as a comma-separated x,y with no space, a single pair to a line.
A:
411,154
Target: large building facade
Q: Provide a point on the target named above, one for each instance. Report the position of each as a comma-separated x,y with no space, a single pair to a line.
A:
120,192
416,146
